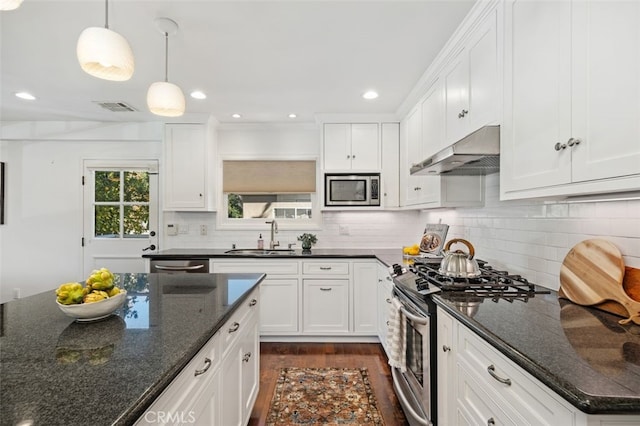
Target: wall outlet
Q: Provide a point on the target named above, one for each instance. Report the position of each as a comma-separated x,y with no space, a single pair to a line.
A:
203,229
343,230
183,228
172,229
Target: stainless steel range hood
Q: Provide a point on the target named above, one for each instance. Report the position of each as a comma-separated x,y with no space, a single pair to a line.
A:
475,154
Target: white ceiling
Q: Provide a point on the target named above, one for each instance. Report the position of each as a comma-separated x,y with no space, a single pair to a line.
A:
262,59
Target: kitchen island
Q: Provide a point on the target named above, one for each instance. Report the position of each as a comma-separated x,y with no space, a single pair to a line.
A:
56,371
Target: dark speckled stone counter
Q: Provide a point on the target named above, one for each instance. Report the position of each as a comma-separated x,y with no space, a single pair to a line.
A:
581,353
382,254
55,371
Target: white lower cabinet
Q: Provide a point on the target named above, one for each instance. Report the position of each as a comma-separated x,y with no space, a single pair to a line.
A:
220,384
365,305
477,385
317,297
326,306
384,294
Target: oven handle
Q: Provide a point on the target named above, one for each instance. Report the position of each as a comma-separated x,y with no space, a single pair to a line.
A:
414,318
406,405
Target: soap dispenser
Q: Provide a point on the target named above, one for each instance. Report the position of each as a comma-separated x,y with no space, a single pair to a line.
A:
260,243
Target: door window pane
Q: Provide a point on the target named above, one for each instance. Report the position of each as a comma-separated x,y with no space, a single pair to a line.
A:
107,186
136,186
107,221
136,221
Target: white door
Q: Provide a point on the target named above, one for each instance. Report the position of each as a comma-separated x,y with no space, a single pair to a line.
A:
120,214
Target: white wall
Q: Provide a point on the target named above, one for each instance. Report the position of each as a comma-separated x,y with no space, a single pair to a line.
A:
532,238
40,244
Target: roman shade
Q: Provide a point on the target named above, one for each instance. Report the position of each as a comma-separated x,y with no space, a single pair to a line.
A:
268,177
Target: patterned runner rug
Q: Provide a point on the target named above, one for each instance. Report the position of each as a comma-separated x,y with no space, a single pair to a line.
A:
324,396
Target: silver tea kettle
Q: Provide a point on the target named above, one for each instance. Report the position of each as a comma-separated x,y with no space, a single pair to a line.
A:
458,264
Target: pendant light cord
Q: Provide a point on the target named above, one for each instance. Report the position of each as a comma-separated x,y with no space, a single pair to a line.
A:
166,57
106,14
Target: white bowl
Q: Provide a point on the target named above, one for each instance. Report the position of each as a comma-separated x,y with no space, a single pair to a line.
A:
94,311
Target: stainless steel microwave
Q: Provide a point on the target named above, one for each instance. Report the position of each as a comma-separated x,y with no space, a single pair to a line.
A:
344,189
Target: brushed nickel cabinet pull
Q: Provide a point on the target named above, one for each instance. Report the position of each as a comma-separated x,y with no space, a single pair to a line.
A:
246,357
325,288
234,327
325,268
253,302
492,371
445,348
207,362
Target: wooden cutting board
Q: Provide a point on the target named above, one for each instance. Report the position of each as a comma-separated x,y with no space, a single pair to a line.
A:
592,273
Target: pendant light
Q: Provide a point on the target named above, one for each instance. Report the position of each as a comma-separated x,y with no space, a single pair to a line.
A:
10,4
164,98
104,53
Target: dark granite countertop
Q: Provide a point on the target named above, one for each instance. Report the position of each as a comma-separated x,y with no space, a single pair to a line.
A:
57,371
183,253
581,353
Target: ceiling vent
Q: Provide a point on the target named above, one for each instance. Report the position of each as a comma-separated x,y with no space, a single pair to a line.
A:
116,106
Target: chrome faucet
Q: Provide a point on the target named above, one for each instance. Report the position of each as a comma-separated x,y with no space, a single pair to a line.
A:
274,230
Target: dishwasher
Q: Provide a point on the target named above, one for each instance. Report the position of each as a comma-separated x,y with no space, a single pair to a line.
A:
198,266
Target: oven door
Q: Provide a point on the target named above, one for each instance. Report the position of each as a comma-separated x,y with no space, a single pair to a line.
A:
413,387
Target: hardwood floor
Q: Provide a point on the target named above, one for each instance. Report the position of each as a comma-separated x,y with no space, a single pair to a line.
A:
274,356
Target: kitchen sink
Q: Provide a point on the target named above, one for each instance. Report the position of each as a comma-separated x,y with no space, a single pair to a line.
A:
261,252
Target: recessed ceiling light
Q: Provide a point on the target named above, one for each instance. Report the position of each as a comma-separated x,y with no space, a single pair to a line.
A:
197,94
26,95
292,115
236,115
370,95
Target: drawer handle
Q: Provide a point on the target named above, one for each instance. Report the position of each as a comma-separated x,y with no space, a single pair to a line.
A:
388,300
325,288
246,357
445,348
491,422
492,371
325,268
207,362
253,302
234,327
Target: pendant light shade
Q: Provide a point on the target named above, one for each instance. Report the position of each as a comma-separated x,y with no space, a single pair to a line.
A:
164,98
104,53
9,4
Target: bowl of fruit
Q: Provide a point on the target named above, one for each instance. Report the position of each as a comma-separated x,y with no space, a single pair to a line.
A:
96,300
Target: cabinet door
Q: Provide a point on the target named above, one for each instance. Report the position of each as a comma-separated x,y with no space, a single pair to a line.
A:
206,406
365,147
537,89
185,157
390,139
456,82
606,96
446,368
433,122
250,374
484,73
365,306
325,306
231,395
337,146
385,289
412,154
279,305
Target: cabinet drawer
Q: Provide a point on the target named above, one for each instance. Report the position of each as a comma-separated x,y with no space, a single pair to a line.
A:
267,267
179,392
325,268
240,319
524,393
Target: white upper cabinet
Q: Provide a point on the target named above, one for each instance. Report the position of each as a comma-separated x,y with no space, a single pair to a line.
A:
187,158
348,146
571,98
471,83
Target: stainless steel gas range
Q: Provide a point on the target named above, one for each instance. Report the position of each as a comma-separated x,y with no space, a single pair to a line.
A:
414,377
